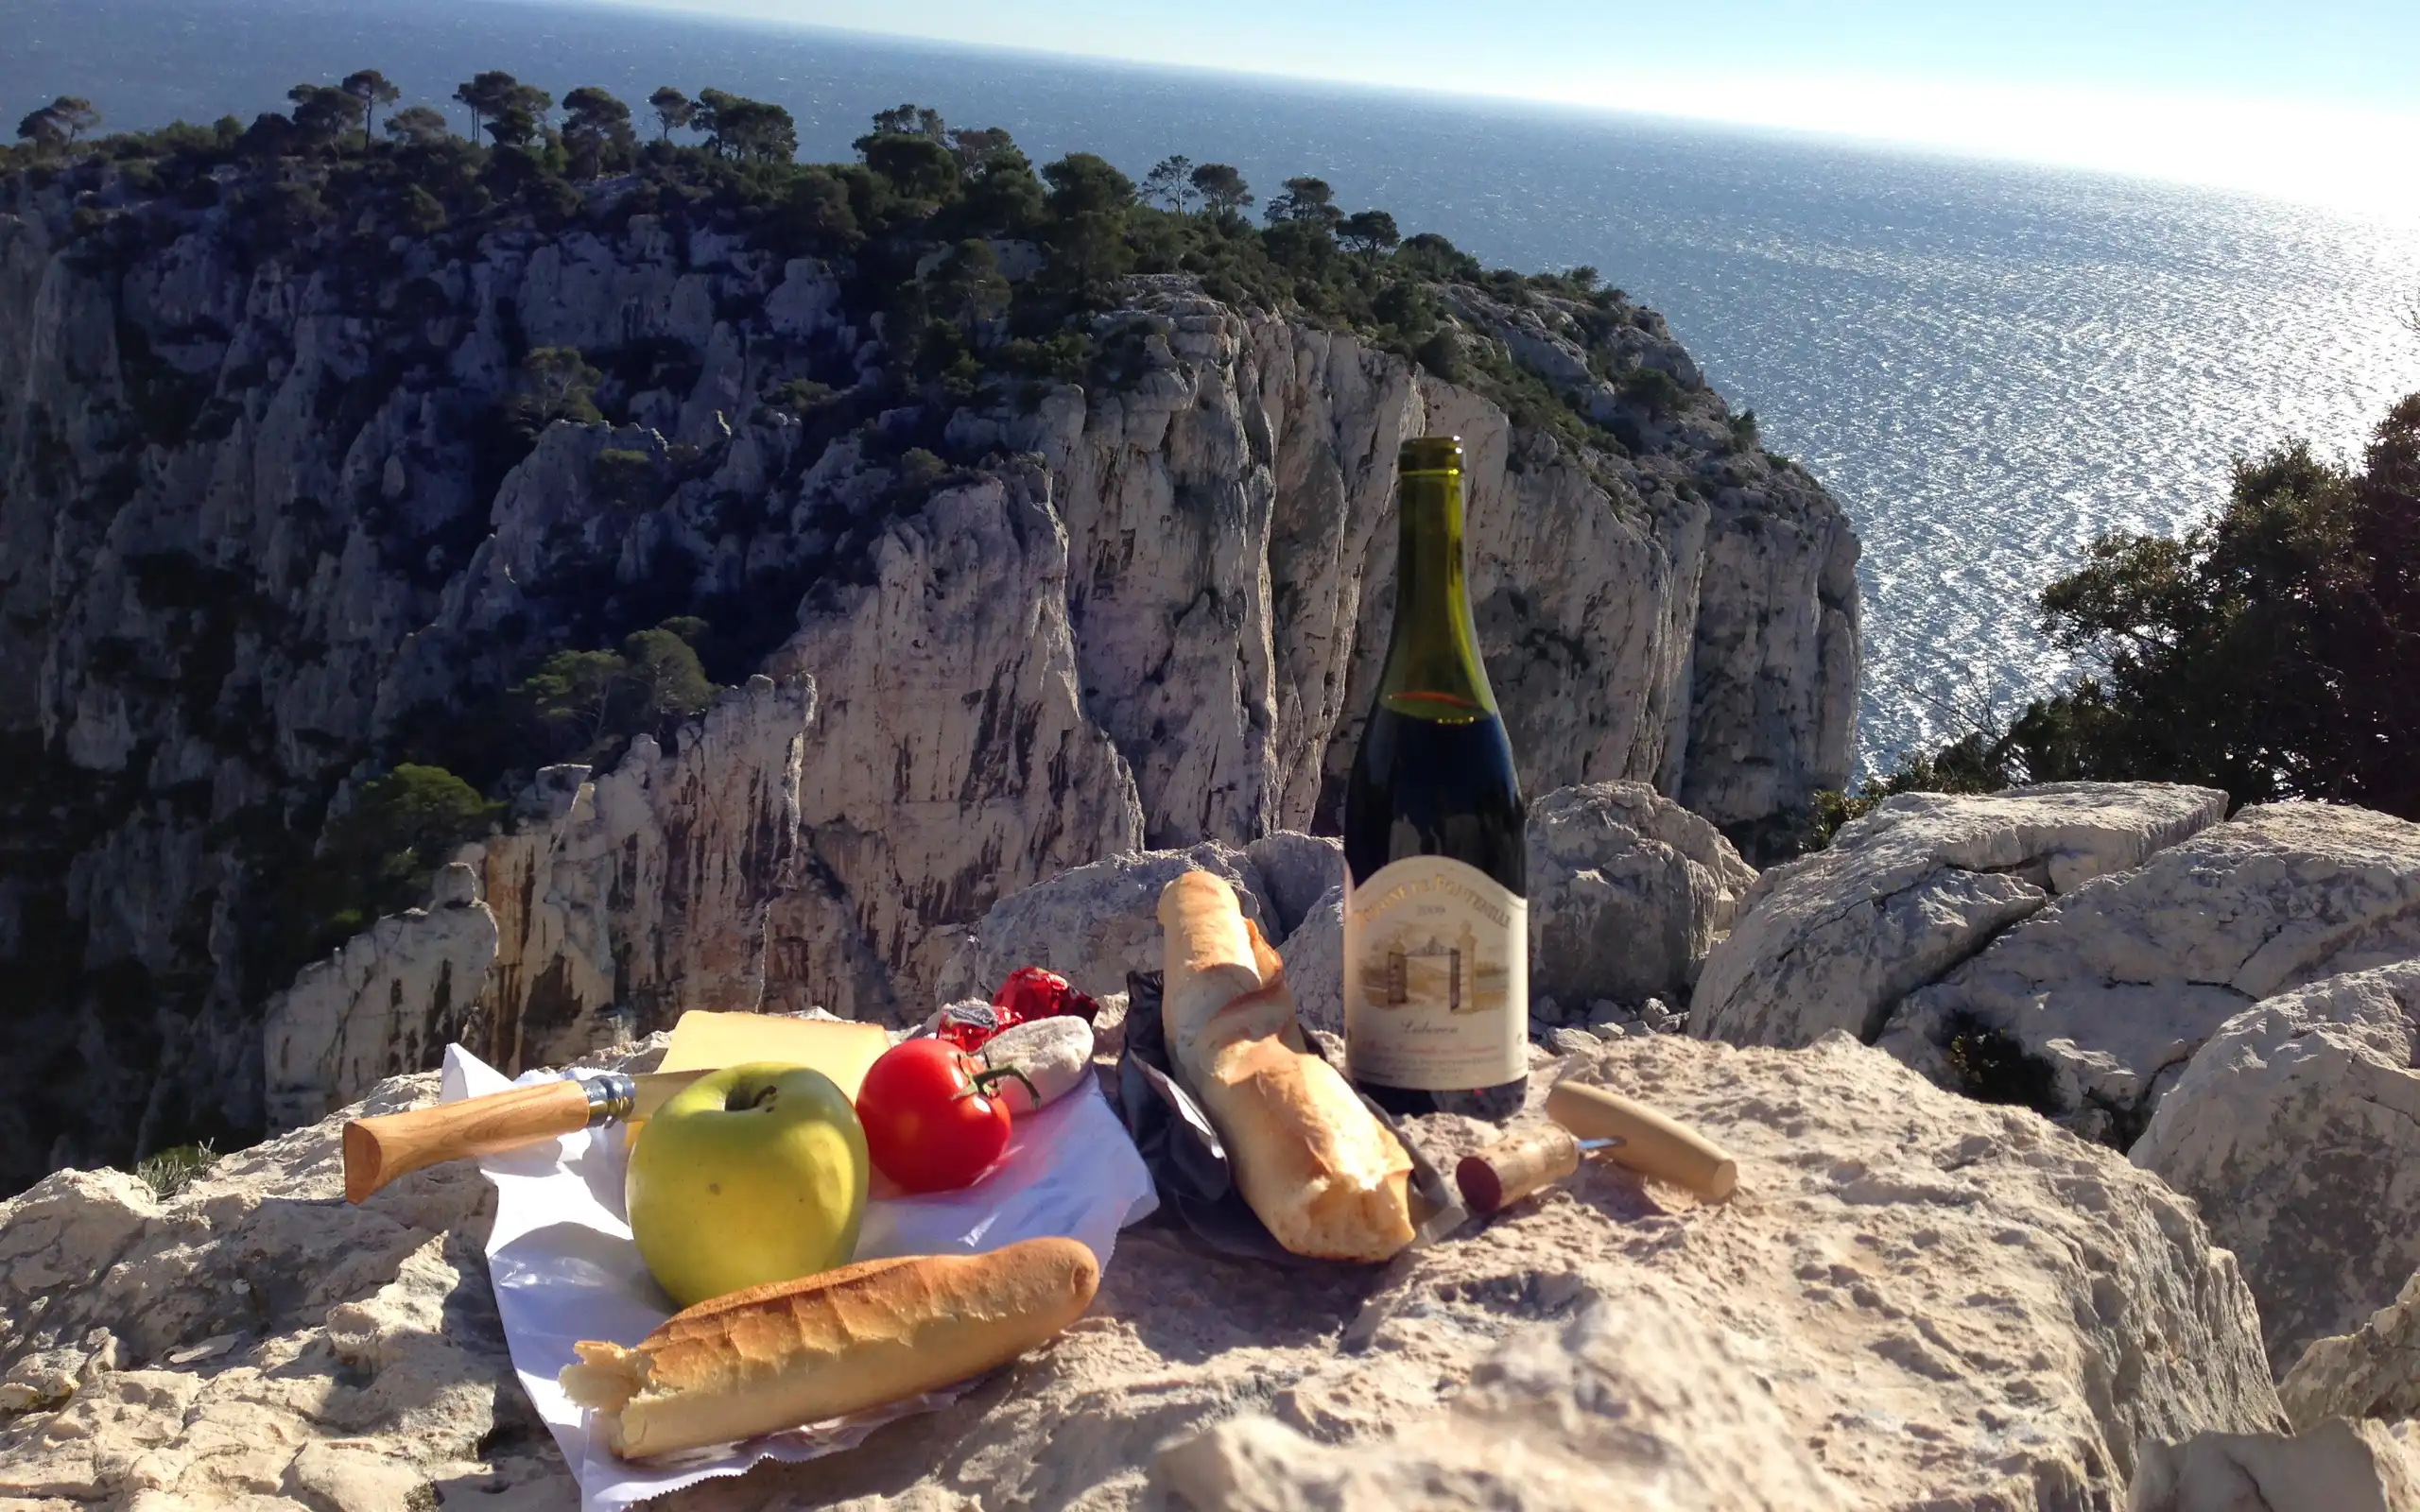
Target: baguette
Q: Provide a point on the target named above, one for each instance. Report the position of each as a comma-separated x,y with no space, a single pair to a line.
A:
1327,1178
802,1352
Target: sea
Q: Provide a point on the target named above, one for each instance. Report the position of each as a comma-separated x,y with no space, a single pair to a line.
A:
1988,364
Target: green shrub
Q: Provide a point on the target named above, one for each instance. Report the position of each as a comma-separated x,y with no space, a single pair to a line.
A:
2266,652
584,706
1653,391
555,382
379,856
1066,355
1442,354
623,477
423,212
172,1170
801,396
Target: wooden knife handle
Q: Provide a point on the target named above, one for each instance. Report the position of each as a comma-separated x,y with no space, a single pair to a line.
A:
377,1150
1651,1144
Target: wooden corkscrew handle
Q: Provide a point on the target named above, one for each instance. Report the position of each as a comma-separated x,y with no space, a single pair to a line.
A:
378,1150
1651,1144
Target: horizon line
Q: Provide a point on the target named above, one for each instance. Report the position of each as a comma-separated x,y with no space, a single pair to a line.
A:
1881,143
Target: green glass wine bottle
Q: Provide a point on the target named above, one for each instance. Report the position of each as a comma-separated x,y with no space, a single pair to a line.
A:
1435,919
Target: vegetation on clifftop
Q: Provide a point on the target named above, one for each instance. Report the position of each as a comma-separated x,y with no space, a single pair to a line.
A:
921,219
2271,652
991,278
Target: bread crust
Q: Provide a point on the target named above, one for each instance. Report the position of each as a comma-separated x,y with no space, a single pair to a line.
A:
803,1351
1327,1178
1209,960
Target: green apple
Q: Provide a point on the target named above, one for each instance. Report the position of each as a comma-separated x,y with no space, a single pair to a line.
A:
749,1175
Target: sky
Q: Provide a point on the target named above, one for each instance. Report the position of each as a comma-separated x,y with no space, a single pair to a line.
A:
2316,101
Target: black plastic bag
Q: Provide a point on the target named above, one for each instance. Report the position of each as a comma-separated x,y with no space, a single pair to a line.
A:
1180,1150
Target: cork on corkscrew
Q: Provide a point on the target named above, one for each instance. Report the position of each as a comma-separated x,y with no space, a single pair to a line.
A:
1588,1120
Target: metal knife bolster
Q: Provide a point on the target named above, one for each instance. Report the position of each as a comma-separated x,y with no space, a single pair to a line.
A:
611,1096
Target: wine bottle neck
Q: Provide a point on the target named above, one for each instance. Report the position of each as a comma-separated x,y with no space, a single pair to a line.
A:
1433,668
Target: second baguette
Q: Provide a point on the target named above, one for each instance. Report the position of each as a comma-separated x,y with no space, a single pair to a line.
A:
802,1352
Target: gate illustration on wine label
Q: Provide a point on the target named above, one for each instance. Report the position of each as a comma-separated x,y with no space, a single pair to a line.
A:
1415,965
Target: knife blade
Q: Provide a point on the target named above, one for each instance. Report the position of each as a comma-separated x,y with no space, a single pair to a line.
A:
378,1150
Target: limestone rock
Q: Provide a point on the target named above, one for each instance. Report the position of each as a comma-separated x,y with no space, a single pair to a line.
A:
256,1341
1772,659
940,779
647,888
1094,925
1628,891
1914,1301
1613,1019
2118,983
389,1001
240,564
2297,1129
1632,1403
2372,1372
1833,939
1314,956
2338,1466
1297,873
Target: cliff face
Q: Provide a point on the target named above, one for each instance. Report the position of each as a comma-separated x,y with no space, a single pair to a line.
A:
256,540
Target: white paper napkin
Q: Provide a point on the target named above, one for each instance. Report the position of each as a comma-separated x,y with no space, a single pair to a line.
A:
564,1268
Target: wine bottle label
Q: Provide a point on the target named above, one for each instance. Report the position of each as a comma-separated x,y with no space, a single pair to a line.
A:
1436,977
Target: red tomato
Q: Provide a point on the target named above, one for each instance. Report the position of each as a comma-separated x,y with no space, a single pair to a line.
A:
930,1123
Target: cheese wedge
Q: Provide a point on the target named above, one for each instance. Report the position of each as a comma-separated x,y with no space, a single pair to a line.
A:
703,1040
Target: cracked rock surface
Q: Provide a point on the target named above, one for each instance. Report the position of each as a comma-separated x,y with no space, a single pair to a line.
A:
1833,939
2373,1371
1914,1301
1628,891
2236,1003
2116,985
257,1342
2338,1466
2297,1129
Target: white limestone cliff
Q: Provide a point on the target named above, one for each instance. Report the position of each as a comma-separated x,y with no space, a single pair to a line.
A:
250,541
2232,1000
2116,985
382,1005
1833,939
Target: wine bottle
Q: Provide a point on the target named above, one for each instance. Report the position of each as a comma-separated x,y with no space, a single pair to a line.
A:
1435,919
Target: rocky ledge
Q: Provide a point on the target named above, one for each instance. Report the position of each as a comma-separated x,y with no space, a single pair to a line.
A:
2234,1001
1924,1295
1914,1301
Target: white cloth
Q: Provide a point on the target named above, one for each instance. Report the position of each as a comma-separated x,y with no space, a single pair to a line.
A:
564,1268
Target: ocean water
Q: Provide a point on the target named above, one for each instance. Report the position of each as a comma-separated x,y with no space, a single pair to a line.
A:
1988,364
